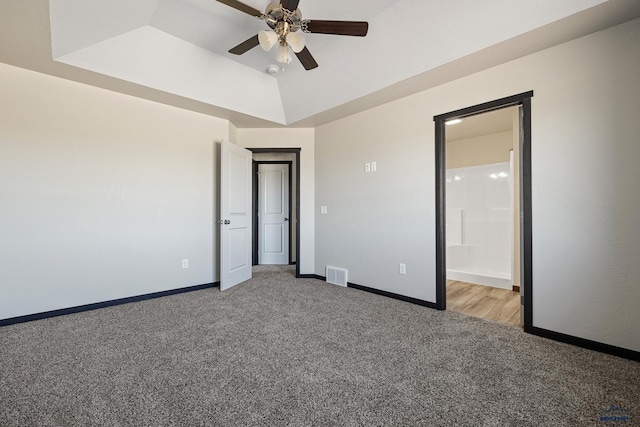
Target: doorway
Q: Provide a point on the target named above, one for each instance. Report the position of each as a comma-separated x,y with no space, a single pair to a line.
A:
481,185
273,208
522,104
275,156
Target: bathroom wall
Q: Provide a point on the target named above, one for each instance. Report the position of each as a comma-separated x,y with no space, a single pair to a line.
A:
479,150
479,224
479,236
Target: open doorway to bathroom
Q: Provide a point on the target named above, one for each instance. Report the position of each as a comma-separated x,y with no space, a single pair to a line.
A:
482,233
483,209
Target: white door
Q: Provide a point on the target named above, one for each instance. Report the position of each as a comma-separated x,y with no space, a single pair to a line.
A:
235,215
273,214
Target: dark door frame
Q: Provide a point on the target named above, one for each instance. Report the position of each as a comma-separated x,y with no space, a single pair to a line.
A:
523,100
256,208
296,152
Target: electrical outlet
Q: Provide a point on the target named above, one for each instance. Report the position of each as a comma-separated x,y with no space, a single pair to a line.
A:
367,167
323,210
374,166
403,269
185,263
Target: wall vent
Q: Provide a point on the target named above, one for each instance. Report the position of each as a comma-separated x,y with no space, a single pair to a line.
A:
337,276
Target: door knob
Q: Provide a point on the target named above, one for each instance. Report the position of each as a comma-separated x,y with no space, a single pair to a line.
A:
286,219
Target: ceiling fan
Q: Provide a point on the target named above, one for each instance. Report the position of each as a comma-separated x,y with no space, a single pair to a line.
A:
286,24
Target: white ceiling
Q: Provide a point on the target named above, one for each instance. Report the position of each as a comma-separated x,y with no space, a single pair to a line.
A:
175,51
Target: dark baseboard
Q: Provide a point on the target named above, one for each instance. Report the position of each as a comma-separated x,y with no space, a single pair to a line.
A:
392,295
97,305
311,276
516,288
380,292
585,343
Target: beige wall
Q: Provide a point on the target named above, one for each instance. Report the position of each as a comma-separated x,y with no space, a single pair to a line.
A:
233,133
479,150
102,194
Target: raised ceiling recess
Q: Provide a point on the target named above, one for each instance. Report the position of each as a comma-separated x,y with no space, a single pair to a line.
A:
182,46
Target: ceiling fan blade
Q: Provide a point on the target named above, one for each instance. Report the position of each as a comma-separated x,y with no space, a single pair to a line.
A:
306,59
245,46
290,5
343,28
242,7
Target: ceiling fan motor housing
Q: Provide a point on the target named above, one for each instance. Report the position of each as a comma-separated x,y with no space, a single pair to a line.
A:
276,17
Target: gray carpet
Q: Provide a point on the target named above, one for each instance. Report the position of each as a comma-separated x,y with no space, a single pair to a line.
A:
281,351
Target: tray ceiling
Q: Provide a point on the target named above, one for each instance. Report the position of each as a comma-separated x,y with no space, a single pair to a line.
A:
178,48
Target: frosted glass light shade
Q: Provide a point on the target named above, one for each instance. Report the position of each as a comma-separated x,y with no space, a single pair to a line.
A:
283,56
296,41
267,39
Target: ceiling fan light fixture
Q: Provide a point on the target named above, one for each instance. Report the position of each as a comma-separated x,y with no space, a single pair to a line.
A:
285,20
283,56
268,39
296,41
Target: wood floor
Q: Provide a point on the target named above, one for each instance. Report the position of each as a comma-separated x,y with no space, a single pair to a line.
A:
500,305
